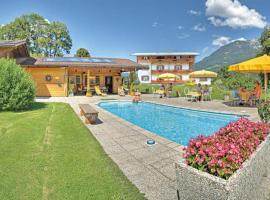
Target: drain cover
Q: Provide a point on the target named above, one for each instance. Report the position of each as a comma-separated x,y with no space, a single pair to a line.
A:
151,142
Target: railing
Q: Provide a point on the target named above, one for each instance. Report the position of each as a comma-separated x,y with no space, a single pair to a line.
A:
171,71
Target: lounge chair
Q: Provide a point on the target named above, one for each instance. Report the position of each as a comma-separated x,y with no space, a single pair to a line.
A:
235,97
187,94
158,92
98,92
121,91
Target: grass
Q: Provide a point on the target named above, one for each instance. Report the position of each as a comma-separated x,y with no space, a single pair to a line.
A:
47,153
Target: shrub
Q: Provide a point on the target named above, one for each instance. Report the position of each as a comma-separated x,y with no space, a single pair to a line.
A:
224,152
17,89
264,111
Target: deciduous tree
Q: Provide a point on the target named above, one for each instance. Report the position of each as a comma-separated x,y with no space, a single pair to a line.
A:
82,52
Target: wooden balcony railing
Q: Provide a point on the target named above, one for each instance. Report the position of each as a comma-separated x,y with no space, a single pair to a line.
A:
171,71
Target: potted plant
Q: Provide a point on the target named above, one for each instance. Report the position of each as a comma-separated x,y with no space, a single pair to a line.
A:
230,164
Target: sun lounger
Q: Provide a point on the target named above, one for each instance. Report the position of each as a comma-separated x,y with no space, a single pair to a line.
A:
121,91
98,92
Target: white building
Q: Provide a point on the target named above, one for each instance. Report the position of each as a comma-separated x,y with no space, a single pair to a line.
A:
178,63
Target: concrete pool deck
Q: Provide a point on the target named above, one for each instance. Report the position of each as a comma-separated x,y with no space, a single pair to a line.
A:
150,168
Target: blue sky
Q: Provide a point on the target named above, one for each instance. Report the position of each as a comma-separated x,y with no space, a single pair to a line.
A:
117,28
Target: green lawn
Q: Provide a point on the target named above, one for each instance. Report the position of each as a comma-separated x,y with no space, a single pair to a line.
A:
47,153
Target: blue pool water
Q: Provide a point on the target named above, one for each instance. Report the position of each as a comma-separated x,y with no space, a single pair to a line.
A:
176,124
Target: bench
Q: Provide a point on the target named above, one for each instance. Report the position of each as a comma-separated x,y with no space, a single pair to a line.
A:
89,113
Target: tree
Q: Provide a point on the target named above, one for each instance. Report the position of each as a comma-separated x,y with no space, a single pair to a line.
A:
42,37
82,52
17,89
56,40
265,41
27,27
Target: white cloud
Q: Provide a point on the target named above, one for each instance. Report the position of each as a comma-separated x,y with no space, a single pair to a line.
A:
180,27
194,12
239,39
155,24
233,14
223,40
183,36
205,49
199,27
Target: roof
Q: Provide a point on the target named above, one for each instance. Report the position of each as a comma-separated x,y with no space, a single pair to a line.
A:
79,62
18,46
11,43
166,54
259,64
203,73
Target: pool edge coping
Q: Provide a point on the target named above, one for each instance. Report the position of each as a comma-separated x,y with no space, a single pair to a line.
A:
187,108
150,135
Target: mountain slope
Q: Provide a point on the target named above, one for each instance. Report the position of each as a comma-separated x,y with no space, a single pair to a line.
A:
234,52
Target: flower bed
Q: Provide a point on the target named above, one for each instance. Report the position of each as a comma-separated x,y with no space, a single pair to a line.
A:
223,153
231,164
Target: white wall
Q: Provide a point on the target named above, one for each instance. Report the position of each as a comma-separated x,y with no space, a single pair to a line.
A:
185,66
208,82
185,77
144,73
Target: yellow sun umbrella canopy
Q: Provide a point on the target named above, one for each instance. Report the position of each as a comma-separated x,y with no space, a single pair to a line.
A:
203,73
168,76
259,65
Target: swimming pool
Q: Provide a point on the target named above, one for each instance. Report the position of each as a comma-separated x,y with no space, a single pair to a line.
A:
175,124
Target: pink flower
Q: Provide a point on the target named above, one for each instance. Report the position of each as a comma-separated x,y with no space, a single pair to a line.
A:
227,149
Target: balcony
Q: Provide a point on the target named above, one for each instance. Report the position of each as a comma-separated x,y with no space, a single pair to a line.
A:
171,71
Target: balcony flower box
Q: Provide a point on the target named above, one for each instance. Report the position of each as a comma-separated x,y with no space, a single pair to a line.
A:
251,181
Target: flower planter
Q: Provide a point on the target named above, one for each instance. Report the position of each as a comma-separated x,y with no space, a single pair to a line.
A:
244,184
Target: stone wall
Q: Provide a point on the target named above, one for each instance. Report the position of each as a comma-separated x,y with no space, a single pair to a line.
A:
245,184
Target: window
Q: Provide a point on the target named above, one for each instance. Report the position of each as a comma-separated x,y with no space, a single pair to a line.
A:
145,58
185,67
160,67
78,79
178,57
178,67
97,80
145,78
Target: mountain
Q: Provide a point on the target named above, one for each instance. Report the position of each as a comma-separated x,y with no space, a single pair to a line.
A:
234,52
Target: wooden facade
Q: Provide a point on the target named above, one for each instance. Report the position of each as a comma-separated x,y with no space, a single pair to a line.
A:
61,77
56,87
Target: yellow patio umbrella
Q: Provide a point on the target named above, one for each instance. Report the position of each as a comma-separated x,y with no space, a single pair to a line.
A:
257,65
203,73
168,76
